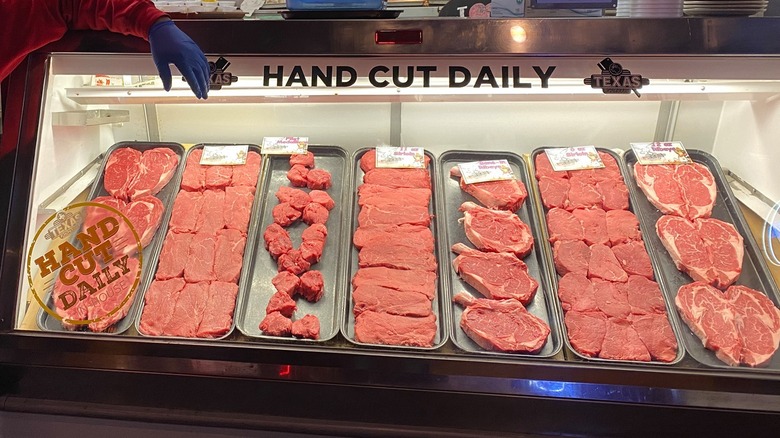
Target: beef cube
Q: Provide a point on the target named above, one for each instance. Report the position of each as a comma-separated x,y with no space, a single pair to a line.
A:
277,240
315,232
311,250
218,316
318,179
305,159
312,286
297,175
315,214
286,282
276,324
297,198
323,198
282,303
293,262
307,327
285,215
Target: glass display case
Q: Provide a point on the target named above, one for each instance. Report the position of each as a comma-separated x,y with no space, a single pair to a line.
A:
465,91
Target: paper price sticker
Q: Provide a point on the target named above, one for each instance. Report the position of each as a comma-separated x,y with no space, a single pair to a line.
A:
400,158
574,158
224,155
284,145
483,171
668,152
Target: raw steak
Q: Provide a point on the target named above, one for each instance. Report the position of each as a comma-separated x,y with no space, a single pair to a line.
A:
399,178
571,256
495,275
307,327
603,264
594,225
384,328
544,168
323,198
238,207
293,262
393,215
156,168
396,302
758,322
622,342
189,310
315,232
708,250
554,192
282,303
229,255
318,179
614,194
173,256
563,225
397,255
576,293
501,325
306,159
211,216
368,161
583,194
193,178
644,296
286,282
102,303
496,230
416,235
315,214
622,227
312,286
297,198
218,315
610,300
610,171
121,168
686,190
297,175
586,331
423,282
374,194
246,175
656,334
159,302
285,214
276,324
145,213
186,209
277,240
633,258
502,195
312,250
200,258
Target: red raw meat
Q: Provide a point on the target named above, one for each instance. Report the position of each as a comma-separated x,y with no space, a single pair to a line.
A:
544,168
294,262
571,256
496,230
368,161
388,214
622,342
315,232
307,327
622,226
610,299
238,207
395,302
186,209
603,264
614,194
285,215
306,159
633,258
282,303
229,255
315,214
218,315
610,171
297,175
397,255
586,331
708,250
583,193
286,282
156,168
415,235
144,213
563,225
399,178
297,198
159,302
644,296
211,216
200,258
312,286
375,194
594,225
277,240
423,282
194,177
384,328
323,198
555,192
276,324
501,325
189,310
312,250
758,322
102,303
173,256
218,177
121,168
686,190
495,275
246,174
318,179
656,334
502,195
576,293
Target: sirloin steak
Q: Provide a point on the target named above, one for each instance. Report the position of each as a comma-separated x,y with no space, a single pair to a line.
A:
685,190
496,275
496,230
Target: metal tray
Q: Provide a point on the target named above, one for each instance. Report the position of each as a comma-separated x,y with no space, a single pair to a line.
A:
258,289
250,239
755,273
651,251
451,197
47,322
351,253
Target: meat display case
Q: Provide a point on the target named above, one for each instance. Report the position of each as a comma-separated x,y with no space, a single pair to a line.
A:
509,86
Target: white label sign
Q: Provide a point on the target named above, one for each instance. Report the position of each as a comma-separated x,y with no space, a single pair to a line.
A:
400,158
667,152
284,145
574,158
224,155
483,171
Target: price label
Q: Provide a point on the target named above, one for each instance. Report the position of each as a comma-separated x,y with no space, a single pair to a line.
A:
667,152
224,155
574,158
284,145
483,171
400,158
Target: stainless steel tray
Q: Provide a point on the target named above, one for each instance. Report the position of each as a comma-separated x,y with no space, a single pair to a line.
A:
47,322
451,197
755,273
440,309
258,289
250,239
651,251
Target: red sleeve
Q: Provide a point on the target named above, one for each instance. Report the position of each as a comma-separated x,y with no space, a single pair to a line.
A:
31,24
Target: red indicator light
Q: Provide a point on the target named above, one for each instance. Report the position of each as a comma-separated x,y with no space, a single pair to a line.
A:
285,370
406,36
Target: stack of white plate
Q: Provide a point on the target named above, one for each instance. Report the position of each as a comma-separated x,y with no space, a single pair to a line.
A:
650,8
710,8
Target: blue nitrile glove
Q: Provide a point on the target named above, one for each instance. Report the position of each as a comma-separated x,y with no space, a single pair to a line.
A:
172,46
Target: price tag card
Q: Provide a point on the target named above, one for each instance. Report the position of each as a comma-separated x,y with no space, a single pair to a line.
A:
483,171
224,155
400,158
574,158
284,145
667,152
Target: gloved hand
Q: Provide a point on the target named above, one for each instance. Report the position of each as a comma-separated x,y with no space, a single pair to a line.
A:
172,46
